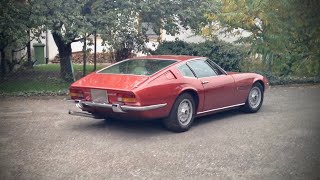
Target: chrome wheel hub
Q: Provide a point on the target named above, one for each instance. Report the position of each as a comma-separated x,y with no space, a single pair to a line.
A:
185,112
255,97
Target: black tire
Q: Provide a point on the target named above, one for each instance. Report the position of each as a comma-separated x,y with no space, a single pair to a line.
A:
176,123
254,99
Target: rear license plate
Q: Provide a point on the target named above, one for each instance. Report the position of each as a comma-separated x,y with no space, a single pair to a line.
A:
99,96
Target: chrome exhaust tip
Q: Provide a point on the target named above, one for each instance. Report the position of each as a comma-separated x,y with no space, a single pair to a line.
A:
79,104
83,114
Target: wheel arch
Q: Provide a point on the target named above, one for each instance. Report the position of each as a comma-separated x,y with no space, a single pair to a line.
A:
247,107
260,82
194,94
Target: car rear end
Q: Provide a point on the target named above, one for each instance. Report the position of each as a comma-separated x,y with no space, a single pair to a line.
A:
117,95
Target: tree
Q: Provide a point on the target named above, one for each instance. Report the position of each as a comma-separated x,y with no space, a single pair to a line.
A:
67,22
128,35
115,20
287,31
13,28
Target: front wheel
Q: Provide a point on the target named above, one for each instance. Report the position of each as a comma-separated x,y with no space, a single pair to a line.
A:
181,115
254,99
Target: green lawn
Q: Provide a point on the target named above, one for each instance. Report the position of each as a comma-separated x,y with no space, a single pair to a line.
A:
42,79
34,85
56,67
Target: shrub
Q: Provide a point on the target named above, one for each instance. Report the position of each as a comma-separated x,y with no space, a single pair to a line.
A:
77,57
227,55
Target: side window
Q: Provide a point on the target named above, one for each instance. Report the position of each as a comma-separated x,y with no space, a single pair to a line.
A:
214,66
185,71
201,68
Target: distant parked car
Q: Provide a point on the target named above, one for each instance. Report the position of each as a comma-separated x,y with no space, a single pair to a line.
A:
174,88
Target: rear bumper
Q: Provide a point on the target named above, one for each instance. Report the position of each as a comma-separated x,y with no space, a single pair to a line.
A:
117,108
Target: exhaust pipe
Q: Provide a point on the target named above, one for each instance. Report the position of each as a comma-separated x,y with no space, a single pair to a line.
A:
79,105
83,114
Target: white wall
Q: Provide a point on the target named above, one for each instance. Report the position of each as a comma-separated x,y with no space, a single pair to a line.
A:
53,50
186,35
189,36
76,46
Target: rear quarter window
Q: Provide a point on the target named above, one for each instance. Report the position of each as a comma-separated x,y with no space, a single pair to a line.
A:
185,71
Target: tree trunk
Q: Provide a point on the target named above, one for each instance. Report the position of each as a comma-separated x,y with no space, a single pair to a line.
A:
125,51
84,56
29,64
65,52
122,54
3,63
95,52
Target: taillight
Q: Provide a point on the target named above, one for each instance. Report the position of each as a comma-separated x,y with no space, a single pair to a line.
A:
126,98
76,94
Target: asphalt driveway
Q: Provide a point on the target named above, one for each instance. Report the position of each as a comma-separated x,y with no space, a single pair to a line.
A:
39,140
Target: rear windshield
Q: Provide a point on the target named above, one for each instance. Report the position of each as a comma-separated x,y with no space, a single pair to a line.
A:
144,67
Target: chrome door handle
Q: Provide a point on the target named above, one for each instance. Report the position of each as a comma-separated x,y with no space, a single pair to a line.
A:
204,82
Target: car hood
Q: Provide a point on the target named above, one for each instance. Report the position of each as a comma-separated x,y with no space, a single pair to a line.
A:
110,81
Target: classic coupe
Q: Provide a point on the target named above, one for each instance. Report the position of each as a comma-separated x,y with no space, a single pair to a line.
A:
173,88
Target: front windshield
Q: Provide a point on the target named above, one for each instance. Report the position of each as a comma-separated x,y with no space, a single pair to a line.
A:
138,66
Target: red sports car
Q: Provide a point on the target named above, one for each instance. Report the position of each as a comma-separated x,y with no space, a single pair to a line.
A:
174,88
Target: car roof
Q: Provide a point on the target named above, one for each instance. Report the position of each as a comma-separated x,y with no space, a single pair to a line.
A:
169,57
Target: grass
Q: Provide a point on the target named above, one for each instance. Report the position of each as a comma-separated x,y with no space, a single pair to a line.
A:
45,80
41,80
34,87
56,68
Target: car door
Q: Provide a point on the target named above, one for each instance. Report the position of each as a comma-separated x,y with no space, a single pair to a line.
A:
218,86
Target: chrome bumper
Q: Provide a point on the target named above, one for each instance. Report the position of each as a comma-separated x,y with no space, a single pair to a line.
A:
119,108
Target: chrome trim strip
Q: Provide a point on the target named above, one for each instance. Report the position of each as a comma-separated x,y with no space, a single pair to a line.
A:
221,108
143,108
122,108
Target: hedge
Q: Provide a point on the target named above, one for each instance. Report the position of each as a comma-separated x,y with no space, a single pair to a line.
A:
227,55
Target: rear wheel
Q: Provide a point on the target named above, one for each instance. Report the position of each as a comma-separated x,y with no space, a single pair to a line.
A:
255,99
182,114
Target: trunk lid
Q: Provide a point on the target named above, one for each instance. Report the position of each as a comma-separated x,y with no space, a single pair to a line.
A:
110,81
